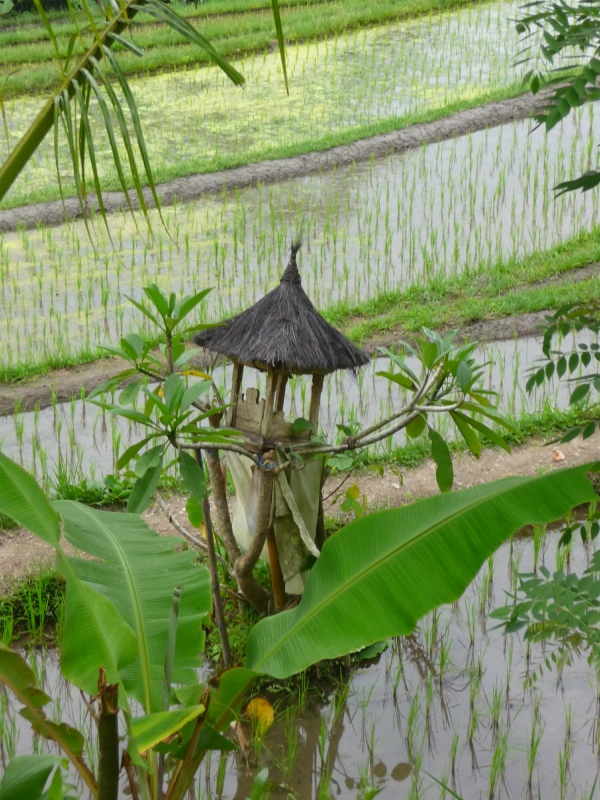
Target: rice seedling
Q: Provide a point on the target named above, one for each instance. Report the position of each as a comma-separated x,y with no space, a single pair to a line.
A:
498,763
537,731
539,532
412,728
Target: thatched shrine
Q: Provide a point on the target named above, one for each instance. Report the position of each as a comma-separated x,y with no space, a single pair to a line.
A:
281,335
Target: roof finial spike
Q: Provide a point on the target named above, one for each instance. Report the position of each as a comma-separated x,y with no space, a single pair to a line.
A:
291,274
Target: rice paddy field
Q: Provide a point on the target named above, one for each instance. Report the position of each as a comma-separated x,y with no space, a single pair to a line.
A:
468,205
196,120
470,219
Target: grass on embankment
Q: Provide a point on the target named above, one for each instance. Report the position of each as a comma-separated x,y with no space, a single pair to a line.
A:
538,282
32,607
232,35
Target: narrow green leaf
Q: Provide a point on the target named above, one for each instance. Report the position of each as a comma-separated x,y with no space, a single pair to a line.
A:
187,304
193,392
580,393
151,729
129,394
280,41
133,48
173,389
149,459
416,427
397,377
137,127
141,307
165,14
154,294
144,488
25,776
490,434
467,433
195,512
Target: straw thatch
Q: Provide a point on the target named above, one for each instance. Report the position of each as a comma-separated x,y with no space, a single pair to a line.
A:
284,331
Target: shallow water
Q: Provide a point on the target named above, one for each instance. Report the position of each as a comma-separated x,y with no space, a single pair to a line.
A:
79,440
337,84
464,205
405,714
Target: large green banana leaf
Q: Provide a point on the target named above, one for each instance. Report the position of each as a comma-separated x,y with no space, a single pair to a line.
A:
94,634
26,776
378,576
22,500
137,571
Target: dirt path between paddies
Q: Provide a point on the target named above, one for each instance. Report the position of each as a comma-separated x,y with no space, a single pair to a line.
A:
64,384
193,186
21,552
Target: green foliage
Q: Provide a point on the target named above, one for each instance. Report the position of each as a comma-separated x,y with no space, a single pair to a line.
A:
574,318
27,776
119,626
432,549
31,607
569,50
171,409
561,611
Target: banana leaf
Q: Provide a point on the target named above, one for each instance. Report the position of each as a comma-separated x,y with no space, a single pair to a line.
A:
26,776
136,570
378,576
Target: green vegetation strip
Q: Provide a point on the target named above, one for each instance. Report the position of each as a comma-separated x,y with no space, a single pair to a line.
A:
32,607
506,289
28,68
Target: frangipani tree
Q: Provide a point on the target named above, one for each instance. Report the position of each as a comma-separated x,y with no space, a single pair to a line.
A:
183,411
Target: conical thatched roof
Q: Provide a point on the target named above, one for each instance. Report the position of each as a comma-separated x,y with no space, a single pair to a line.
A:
284,331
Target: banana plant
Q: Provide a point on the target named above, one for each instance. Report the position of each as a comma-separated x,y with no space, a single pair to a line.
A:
97,75
132,640
132,636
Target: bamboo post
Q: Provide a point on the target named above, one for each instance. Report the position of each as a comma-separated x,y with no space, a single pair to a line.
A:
265,424
214,574
281,387
265,511
236,386
315,400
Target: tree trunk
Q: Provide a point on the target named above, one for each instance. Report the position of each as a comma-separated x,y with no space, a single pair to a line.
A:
242,564
108,739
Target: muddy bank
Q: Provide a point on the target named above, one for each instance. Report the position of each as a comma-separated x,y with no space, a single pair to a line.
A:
194,186
67,383
21,552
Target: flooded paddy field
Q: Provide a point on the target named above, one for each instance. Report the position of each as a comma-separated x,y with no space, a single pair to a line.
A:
77,441
468,205
197,120
450,703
